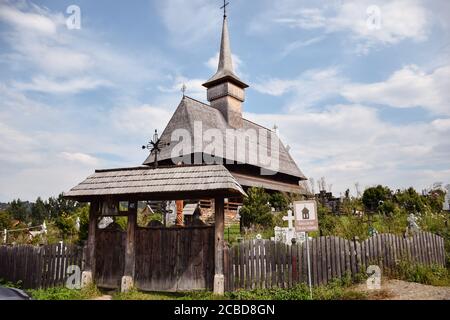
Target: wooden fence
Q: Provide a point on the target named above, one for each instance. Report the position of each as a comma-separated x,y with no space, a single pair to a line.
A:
38,267
266,264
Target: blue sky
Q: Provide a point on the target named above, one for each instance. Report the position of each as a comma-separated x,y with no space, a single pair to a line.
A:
355,103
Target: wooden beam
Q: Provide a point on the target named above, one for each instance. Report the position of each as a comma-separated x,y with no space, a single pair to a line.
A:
90,258
130,241
219,228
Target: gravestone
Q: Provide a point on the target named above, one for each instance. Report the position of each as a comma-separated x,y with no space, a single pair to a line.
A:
286,235
446,206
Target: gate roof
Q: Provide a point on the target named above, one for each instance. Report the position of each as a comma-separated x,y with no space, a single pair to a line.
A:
146,183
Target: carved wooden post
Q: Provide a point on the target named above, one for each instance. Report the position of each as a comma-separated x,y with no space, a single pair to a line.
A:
128,277
219,243
89,272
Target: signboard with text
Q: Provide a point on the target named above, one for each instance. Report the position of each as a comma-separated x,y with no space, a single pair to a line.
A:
306,216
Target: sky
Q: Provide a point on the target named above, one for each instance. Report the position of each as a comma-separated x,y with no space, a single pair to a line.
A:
359,89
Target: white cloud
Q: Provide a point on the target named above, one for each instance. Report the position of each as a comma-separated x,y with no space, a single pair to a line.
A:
407,88
140,121
194,87
189,24
311,87
80,57
46,85
213,62
81,158
400,20
300,44
350,143
30,21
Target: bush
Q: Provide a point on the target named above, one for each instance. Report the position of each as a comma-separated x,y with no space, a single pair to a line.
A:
431,275
373,197
256,211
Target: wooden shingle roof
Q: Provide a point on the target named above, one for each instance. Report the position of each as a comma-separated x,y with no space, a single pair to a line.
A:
177,182
191,111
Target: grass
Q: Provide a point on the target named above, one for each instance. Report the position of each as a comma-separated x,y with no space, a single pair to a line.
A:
338,289
9,284
63,293
419,273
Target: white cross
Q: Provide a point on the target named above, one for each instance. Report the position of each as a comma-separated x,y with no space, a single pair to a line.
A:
289,218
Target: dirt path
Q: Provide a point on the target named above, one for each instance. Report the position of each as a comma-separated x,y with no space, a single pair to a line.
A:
104,297
402,290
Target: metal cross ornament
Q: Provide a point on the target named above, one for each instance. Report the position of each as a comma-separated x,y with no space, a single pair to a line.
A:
224,7
154,146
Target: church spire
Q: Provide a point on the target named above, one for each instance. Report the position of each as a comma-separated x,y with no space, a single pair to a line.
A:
225,89
225,59
225,70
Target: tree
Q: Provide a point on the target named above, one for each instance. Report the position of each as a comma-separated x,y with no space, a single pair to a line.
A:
410,200
18,210
61,205
39,212
279,201
5,220
256,210
375,196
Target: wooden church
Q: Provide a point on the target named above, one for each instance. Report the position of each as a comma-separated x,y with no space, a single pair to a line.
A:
183,258
226,95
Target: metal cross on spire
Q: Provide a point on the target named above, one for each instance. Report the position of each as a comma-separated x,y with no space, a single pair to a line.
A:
224,7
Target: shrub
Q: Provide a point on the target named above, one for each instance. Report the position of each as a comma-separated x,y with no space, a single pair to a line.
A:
431,275
373,197
256,211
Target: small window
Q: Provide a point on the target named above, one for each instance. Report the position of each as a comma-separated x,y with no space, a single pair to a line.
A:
123,206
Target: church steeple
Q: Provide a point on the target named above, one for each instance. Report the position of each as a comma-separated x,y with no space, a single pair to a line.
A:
225,89
225,59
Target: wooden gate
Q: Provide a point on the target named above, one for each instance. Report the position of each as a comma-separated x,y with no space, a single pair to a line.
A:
174,259
110,258
167,259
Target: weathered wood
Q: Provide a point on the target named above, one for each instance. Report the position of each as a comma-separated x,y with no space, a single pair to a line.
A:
93,211
130,251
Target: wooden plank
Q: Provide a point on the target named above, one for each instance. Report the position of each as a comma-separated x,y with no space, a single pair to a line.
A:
289,265
314,262
433,246
294,263
281,264
318,248
338,257
273,259
252,263
348,257
235,266
267,258
329,262
241,265
323,251
247,265
257,265
262,259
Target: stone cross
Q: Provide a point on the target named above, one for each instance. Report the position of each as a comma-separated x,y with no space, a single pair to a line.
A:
289,218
